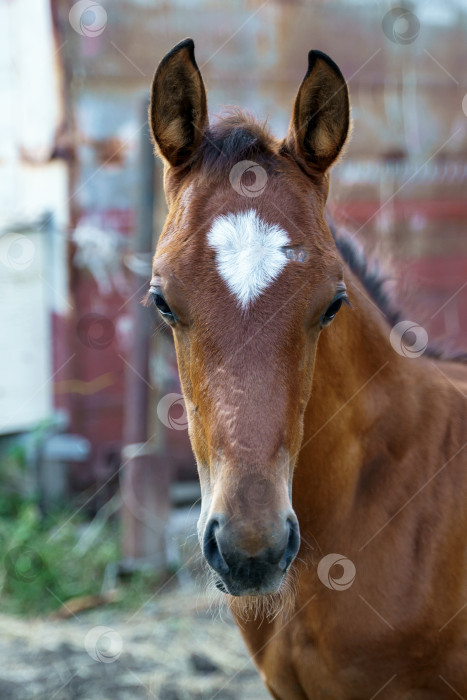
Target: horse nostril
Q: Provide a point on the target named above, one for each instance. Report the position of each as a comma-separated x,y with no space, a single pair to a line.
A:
293,545
211,548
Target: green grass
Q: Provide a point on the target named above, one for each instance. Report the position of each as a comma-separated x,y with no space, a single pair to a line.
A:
48,561
41,566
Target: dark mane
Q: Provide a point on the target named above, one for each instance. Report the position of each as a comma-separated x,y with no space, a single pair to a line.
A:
369,271
238,136
377,281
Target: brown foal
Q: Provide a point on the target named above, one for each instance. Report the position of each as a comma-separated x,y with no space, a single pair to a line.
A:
332,465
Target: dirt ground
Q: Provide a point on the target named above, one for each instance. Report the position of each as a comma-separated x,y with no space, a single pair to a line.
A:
175,648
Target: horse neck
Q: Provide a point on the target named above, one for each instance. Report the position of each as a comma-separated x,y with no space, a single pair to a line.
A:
359,382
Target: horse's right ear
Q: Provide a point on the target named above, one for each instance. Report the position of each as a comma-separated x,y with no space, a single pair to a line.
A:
178,113
321,115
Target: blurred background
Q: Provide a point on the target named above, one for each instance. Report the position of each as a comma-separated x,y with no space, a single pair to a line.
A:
98,486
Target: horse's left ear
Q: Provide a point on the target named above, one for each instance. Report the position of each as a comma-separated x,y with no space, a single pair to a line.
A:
178,114
321,115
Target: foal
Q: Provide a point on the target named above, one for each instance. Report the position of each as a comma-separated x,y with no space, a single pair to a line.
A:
313,433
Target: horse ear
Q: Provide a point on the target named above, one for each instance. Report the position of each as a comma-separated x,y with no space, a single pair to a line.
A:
321,115
178,113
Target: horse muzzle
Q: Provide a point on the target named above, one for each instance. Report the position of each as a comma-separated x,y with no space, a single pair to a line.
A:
250,563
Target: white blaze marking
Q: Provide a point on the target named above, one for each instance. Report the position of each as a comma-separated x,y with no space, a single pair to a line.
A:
249,253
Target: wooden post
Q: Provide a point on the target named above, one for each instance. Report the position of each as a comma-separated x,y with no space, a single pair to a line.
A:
144,474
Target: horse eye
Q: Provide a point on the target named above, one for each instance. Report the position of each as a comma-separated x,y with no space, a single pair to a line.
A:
331,311
162,306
